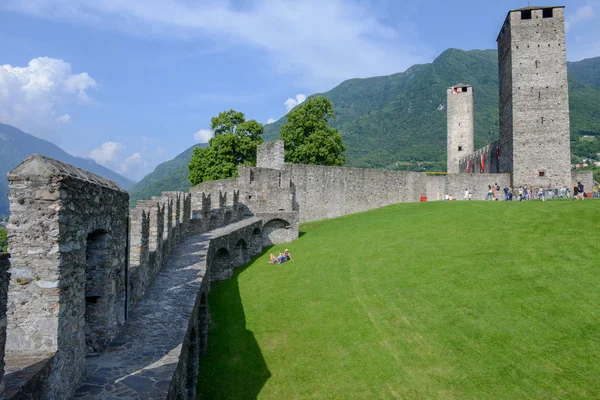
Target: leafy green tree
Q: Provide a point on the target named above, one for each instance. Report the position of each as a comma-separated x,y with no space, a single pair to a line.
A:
3,241
308,137
234,144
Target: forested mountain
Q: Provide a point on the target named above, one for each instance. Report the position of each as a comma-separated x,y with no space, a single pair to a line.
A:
16,146
399,121
389,121
170,175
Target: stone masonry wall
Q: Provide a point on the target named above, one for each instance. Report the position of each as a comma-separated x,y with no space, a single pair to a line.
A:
270,155
585,177
491,161
540,99
67,237
156,227
4,278
460,125
328,192
455,185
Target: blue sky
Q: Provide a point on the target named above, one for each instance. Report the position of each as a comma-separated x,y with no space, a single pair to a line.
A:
133,83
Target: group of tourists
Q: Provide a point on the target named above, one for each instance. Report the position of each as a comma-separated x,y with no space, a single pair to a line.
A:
524,193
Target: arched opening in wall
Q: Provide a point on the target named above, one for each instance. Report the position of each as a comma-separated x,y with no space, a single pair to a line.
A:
241,253
222,264
193,358
203,321
98,296
275,231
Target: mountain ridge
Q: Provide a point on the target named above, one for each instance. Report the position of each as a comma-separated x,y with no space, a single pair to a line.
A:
398,121
16,146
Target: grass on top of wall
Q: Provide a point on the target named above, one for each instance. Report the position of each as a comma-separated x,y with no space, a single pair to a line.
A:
433,300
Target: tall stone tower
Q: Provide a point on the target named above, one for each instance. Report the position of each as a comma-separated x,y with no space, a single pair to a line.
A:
460,124
534,98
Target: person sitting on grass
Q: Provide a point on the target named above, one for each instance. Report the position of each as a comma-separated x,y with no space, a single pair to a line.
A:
281,258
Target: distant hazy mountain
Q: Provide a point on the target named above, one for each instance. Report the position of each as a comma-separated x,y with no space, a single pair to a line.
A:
398,120
16,145
170,175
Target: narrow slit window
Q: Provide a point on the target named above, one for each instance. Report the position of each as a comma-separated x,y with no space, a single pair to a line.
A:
526,14
542,173
459,148
547,13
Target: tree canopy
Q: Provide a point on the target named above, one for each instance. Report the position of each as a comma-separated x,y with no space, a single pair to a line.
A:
308,137
234,144
3,240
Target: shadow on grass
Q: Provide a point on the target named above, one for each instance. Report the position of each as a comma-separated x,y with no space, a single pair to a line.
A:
233,366
300,234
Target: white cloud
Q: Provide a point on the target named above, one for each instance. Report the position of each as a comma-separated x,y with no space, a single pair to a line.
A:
31,96
64,118
318,53
291,103
131,162
582,14
107,153
203,135
271,120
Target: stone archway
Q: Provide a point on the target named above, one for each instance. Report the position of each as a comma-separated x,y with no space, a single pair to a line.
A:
275,231
221,264
241,253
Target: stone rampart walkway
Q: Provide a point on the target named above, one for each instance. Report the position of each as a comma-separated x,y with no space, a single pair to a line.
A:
142,362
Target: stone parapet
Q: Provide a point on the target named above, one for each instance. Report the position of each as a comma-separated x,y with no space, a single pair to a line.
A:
4,278
67,295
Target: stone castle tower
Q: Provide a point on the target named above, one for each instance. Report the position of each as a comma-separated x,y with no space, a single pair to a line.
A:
460,125
534,100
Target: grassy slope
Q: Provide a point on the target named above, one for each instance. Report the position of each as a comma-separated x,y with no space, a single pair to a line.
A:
434,300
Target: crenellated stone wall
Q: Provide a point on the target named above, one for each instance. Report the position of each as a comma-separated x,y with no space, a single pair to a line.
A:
67,294
492,157
156,227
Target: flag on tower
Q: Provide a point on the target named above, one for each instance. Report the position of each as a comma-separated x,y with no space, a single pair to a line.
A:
468,169
498,152
482,169
456,90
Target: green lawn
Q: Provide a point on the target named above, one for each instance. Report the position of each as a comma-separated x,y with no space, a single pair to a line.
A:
434,300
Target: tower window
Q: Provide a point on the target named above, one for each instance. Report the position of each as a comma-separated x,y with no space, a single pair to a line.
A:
459,148
547,13
464,89
526,14
542,173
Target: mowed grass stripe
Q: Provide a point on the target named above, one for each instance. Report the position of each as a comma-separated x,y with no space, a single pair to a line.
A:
435,300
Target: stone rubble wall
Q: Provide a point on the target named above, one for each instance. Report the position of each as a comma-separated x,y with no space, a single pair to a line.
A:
67,237
156,227
270,155
4,278
585,177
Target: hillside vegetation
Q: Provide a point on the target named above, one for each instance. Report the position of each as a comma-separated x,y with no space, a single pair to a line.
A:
389,121
167,176
399,121
450,300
